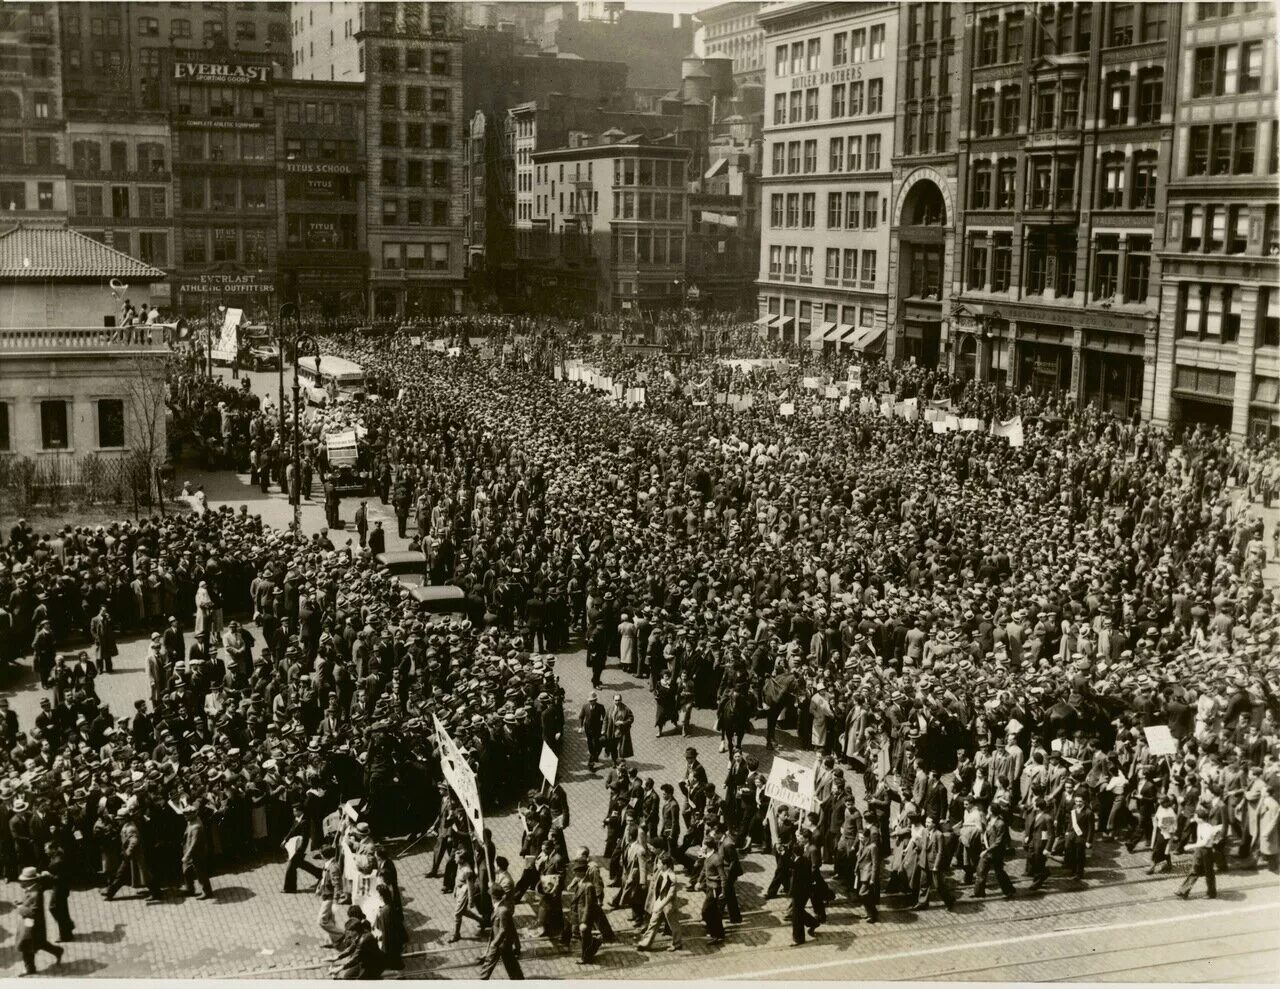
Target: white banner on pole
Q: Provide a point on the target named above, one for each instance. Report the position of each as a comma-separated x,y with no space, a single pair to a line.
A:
460,776
549,764
792,784
1160,740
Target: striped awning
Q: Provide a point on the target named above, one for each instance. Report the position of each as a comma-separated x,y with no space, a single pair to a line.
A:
869,338
837,332
784,323
820,331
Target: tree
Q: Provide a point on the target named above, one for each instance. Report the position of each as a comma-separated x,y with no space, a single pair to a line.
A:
145,412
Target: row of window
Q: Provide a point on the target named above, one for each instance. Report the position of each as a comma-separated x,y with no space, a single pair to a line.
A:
845,210
86,156
218,145
55,424
439,61
321,232
847,100
152,246
1219,228
391,135
828,312
841,265
416,98
929,76
321,112
843,155
34,151
44,106
1058,105
179,27
990,51
1124,182
929,22
13,196
145,202
415,212
247,244
1224,70
221,101
414,173
222,193
1226,149
648,247
1212,312
989,265
318,149
658,172
430,256
848,48
926,128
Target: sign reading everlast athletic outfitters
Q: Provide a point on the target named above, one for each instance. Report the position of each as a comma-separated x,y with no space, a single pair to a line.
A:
221,72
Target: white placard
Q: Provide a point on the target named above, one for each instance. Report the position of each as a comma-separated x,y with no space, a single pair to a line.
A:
549,764
1160,740
791,783
787,409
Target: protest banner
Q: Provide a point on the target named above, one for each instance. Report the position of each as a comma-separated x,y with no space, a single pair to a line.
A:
787,409
831,392
791,783
1160,740
460,776
1010,429
548,764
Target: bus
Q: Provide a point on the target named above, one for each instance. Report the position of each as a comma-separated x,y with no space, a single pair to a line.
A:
336,380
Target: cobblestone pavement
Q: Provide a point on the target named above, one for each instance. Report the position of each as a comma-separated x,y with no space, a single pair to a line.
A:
1120,924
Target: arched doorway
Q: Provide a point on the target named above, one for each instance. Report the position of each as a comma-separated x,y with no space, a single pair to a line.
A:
922,228
967,358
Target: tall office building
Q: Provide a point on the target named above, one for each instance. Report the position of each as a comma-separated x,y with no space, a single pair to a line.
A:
1218,354
1066,116
33,150
408,56
830,93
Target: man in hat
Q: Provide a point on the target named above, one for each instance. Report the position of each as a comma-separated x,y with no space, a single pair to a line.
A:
33,936
195,854
103,632
134,869
362,522
592,718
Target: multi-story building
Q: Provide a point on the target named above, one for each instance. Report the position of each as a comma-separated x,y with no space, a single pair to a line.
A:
615,213
1065,123
33,159
826,183
1218,353
731,30
224,160
114,55
722,254
120,186
323,262
922,214
408,56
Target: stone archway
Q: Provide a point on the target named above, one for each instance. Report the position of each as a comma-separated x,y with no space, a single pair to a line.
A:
923,186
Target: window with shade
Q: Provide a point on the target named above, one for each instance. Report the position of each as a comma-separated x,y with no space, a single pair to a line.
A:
1137,268
835,155
985,113
1111,182
1268,331
1117,95
1150,95
1106,266
1002,262
980,190
977,268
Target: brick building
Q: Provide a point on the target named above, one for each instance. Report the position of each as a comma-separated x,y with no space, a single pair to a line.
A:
33,153
408,56
1217,359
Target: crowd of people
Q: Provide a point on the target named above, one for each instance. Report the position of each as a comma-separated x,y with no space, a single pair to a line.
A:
973,636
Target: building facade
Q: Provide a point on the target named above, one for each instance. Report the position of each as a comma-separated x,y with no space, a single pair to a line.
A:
224,156
120,186
323,260
611,217
1065,127
922,213
70,386
826,186
115,55
33,158
1217,357
408,56
732,30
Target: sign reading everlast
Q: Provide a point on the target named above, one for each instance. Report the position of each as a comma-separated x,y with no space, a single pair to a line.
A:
221,72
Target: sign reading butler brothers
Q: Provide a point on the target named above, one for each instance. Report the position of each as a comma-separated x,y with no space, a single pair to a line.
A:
221,72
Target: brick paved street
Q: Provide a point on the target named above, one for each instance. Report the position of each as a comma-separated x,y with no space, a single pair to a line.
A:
253,929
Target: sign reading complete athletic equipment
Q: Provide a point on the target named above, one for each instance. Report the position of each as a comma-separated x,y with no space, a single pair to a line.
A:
221,72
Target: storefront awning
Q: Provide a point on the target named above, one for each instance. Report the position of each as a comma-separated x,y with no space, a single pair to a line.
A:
784,323
766,320
835,332
869,339
847,332
819,332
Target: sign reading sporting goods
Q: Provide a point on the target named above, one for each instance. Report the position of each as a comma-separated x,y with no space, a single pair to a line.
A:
221,72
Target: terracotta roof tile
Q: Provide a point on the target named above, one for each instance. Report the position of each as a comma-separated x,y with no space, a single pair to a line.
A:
39,251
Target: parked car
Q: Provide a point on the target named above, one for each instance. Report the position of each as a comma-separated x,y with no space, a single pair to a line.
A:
264,357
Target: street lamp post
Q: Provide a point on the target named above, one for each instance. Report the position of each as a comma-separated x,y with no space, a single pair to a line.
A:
300,341
285,310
